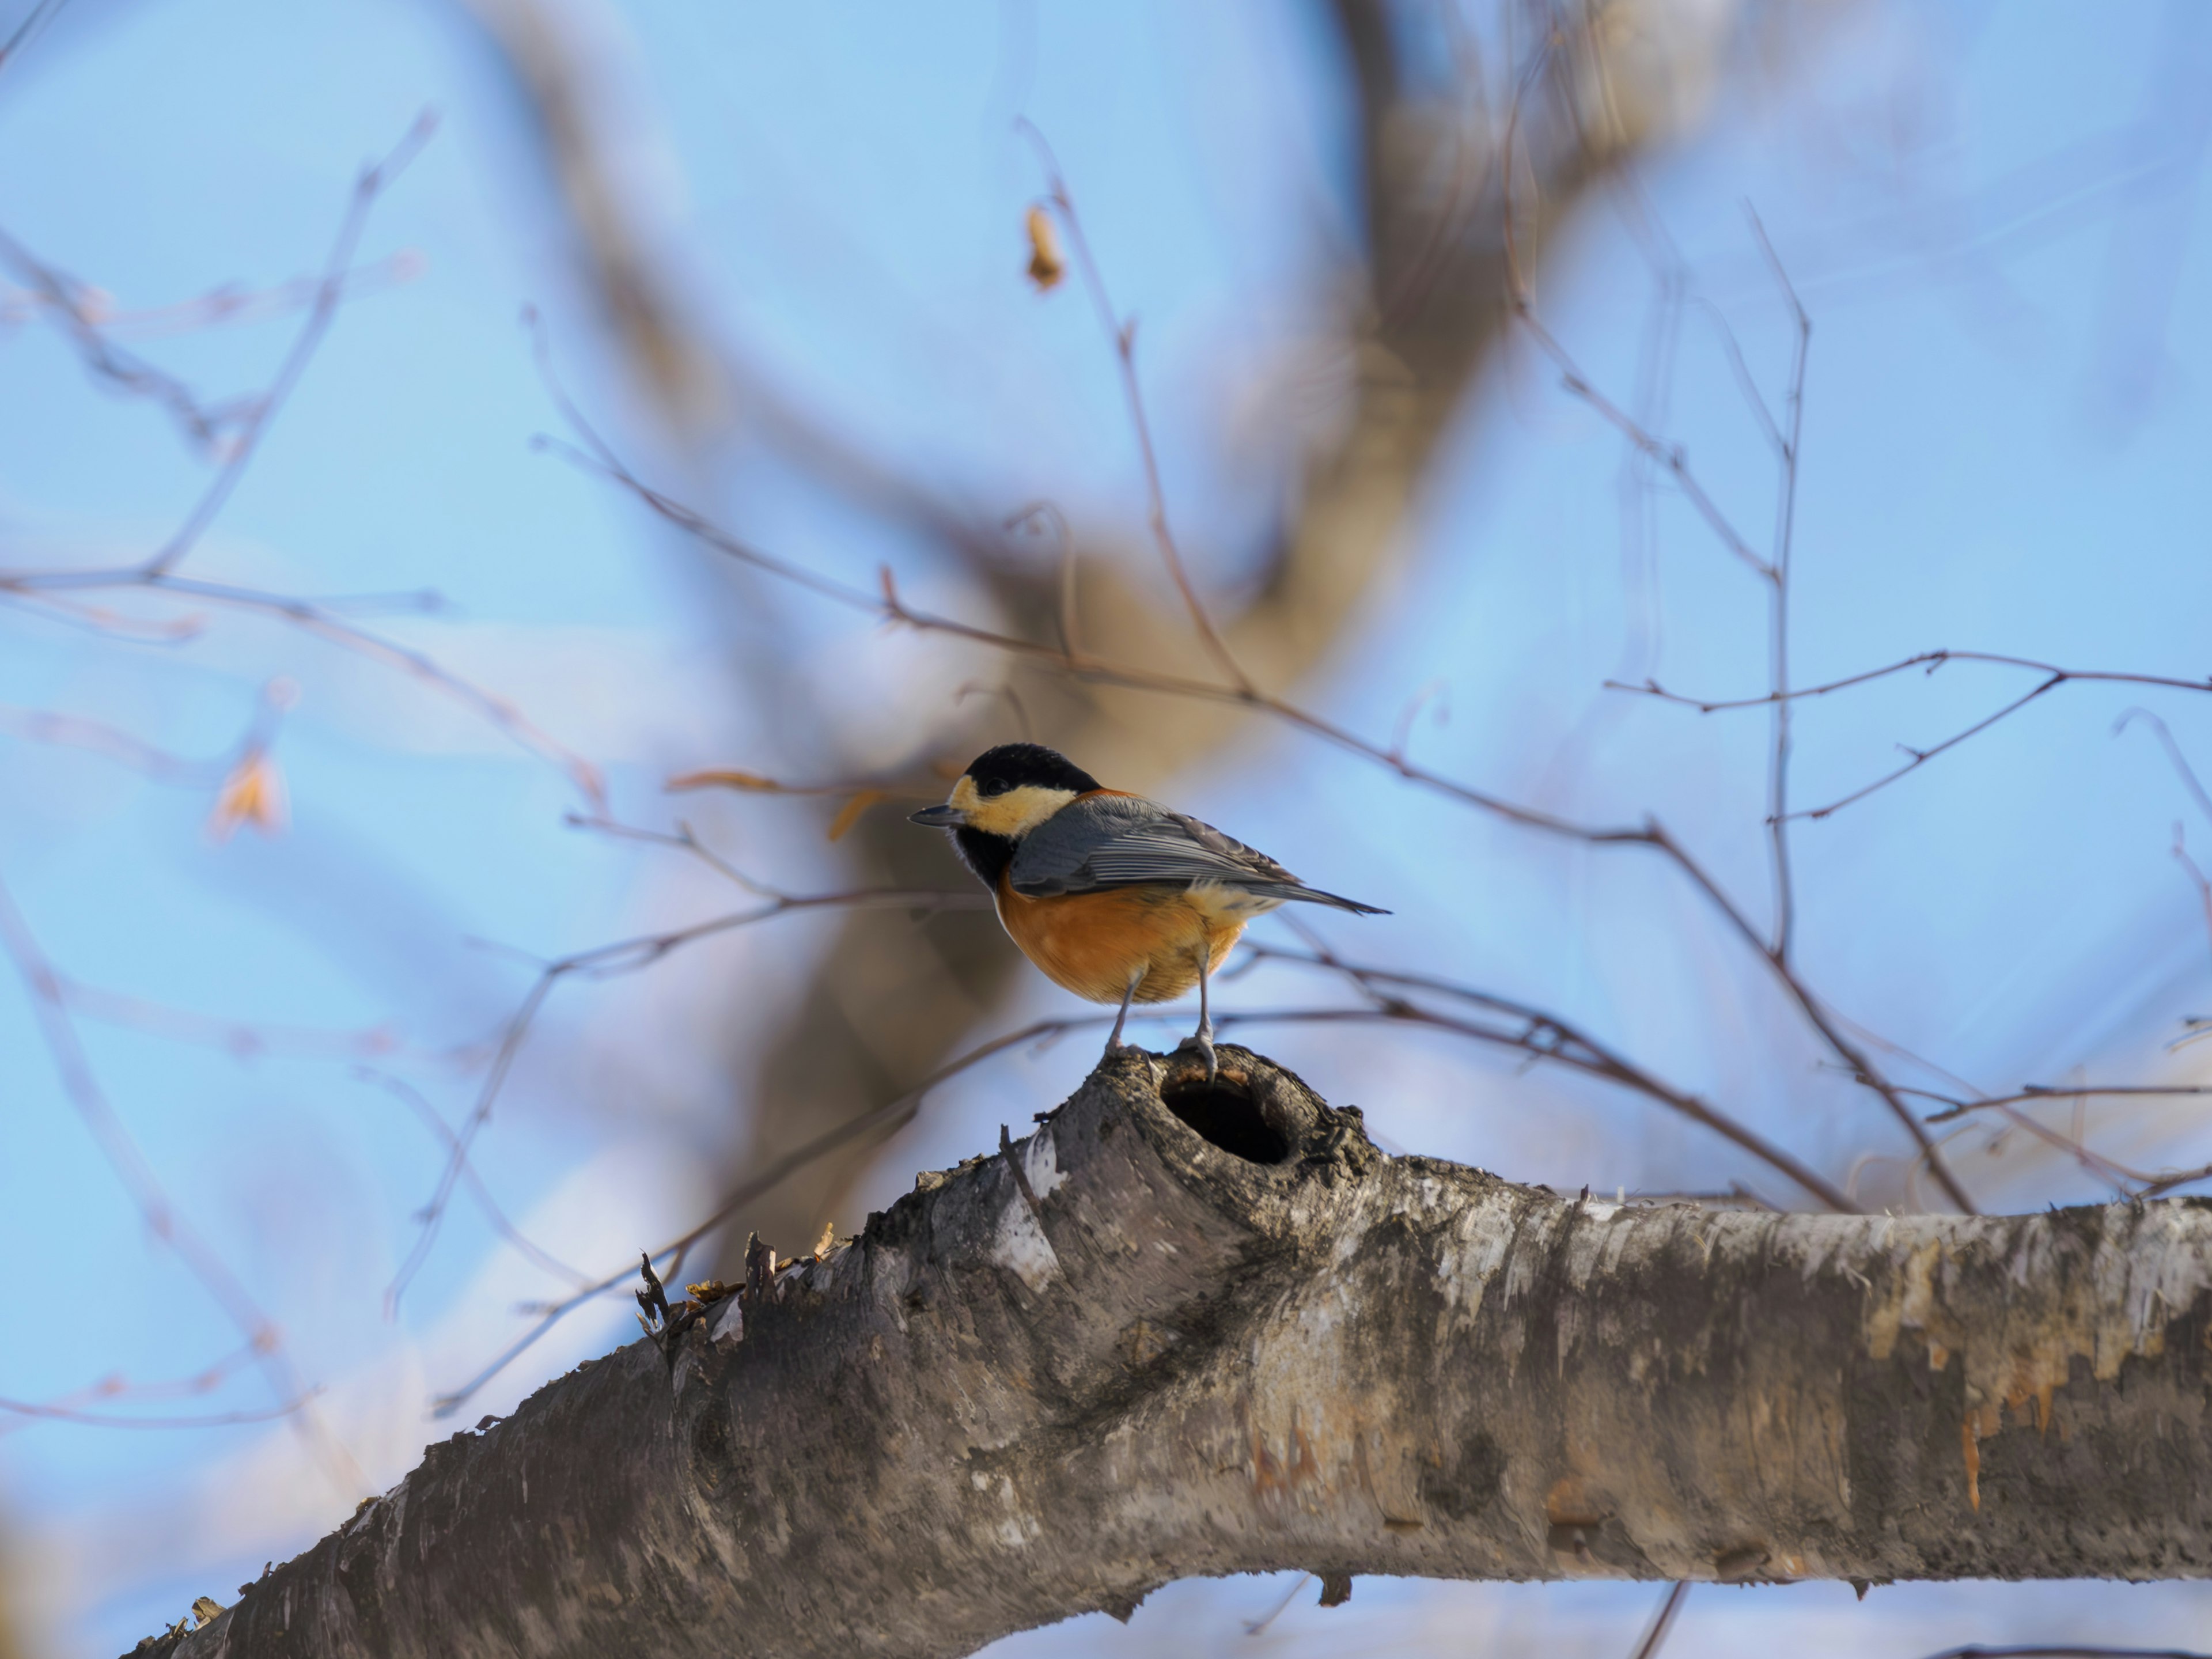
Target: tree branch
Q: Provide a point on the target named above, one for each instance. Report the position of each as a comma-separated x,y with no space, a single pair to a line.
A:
1219,1333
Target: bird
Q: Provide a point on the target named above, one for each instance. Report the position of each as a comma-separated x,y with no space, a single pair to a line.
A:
1115,897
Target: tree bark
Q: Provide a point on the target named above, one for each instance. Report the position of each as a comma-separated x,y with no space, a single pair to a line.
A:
1180,1331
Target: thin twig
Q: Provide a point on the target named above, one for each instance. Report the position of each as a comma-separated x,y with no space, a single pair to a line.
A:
1920,758
1930,661
47,726
1663,1620
605,962
2182,769
1785,520
32,26
884,1119
887,606
894,1114
32,1409
1954,1108
1259,1626
370,185
399,1089
312,618
2054,676
136,1173
1545,1036
1123,334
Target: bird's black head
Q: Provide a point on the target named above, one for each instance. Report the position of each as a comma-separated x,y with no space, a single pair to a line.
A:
1005,793
1013,766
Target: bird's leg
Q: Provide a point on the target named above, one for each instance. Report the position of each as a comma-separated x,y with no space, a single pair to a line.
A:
1113,1037
1202,1038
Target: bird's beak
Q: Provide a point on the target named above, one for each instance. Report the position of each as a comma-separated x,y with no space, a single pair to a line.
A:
947,817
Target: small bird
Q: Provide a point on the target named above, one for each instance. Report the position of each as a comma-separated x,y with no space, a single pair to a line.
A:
1115,898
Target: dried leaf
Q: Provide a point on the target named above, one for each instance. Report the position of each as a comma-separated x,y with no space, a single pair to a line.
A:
1047,267
253,793
724,780
849,813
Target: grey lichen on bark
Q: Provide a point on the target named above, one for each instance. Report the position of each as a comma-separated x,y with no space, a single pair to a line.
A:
1179,1331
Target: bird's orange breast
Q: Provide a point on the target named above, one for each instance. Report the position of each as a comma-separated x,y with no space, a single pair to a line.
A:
1094,944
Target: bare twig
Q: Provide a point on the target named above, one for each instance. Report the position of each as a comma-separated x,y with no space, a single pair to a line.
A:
1785,520
100,737
887,606
136,1173
1123,333
33,24
400,1089
1672,456
2182,769
1545,1036
328,624
1663,1620
605,962
114,1389
2035,1093
1537,1036
880,1120
2054,676
36,1412
216,308
2197,790
370,185
241,1039
1259,1626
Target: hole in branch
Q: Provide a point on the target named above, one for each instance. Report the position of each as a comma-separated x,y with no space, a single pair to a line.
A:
1226,1114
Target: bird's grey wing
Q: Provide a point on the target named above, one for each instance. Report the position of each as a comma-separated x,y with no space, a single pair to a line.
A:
1121,841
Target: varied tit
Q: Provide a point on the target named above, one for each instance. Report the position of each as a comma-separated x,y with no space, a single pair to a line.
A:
1115,898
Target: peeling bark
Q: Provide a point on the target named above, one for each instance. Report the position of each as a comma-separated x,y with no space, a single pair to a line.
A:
1177,1332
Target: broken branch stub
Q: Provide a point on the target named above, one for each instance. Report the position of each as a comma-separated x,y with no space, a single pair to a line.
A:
1182,1330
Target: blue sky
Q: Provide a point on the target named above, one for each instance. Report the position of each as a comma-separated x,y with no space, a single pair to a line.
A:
1991,213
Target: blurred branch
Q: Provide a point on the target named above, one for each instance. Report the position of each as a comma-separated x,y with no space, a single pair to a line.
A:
128,1162
1538,1035
1785,516
71,1408
94,309
414,1099
1444,275
1663,1620
1123,334
326,623
606,961
889,606
235,430
566,94
35,22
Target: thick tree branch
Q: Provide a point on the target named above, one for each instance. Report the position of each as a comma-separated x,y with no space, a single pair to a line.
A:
1183,1332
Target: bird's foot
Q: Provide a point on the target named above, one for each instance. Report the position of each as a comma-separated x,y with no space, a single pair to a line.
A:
1200,1042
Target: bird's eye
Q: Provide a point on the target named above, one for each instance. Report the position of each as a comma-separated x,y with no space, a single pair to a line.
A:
995,787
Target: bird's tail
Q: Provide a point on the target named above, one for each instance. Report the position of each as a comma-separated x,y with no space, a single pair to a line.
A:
1314,896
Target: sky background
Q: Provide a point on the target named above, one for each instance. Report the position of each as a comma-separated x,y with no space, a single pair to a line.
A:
1991,213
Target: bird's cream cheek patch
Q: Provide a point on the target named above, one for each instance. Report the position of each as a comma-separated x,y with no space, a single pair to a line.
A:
1013,814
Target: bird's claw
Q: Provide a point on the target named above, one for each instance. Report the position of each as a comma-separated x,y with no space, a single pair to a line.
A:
1202,1042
